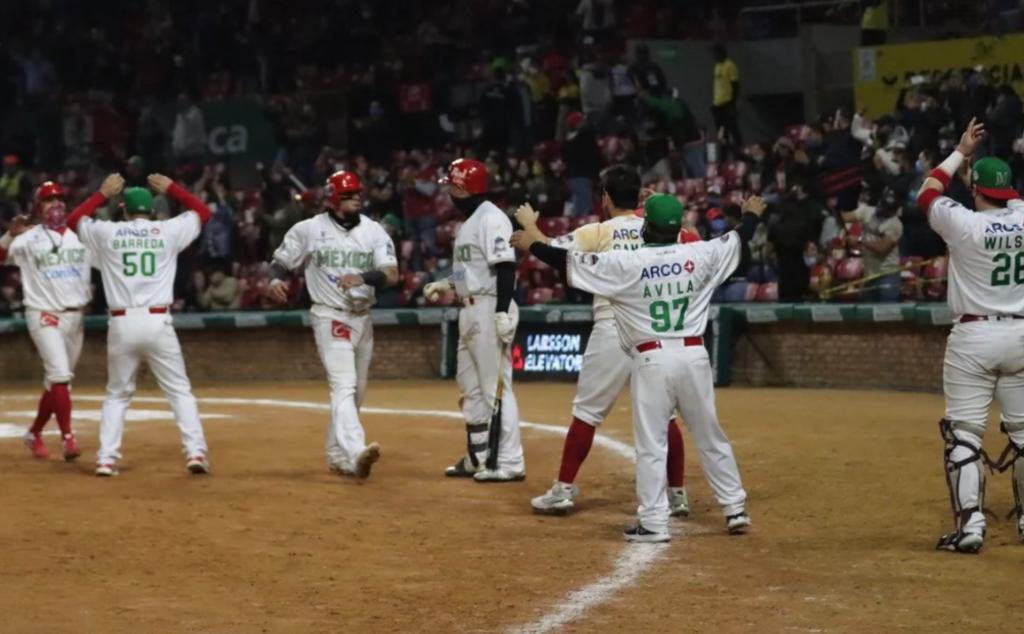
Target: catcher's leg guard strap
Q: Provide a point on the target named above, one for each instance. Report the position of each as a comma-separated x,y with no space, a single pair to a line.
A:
476,442
1012,457
965,477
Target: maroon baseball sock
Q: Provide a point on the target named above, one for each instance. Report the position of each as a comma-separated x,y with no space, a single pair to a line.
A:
43,414
61,399
676,456
574,452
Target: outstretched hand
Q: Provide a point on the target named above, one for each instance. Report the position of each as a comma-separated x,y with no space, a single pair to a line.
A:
112,185
971,138
159,183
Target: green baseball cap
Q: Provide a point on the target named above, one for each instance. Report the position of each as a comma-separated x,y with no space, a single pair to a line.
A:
664,211
993,178
138,200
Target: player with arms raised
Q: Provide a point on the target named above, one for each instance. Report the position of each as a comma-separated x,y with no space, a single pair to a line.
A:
138,259
985,349
606,366
55,268
345,257
660,296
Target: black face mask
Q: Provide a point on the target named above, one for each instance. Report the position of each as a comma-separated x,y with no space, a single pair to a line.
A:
653,235
467,205
347,221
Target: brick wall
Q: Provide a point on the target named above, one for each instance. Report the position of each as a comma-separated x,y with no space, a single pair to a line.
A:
840,355
240,355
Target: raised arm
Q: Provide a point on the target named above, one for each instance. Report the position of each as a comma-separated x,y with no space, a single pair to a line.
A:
111,186
184,197
939,178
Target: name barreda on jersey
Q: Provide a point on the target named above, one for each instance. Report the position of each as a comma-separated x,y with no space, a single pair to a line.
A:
1004,243
138,243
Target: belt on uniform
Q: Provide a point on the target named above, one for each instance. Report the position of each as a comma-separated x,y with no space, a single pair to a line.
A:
154,310
471,300
647,346
965,319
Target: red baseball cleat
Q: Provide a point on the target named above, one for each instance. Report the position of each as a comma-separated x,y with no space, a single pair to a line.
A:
71,451
36,444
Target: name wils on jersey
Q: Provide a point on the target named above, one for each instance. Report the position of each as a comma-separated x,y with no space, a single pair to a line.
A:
1005,242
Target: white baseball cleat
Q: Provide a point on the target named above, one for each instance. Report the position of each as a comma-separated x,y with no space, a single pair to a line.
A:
197,465
106,470
737,524
499,475
367,457
639,534
968,543
678,502
559,500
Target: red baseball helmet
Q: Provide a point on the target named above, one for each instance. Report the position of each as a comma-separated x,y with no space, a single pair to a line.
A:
342,182
469,174
49,189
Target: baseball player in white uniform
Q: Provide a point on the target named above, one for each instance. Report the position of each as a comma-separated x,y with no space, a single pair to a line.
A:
345,257
484,279
55,270
138,259
985,349
606,367
660,296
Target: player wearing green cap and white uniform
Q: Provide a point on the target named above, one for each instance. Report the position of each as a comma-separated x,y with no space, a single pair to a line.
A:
138,259
660,296
984,353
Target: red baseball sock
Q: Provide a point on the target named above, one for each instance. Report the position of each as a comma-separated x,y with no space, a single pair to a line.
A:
574,452
43,414
676,456
61,399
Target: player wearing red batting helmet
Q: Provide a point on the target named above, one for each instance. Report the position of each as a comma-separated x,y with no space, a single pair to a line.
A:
343,195
50,205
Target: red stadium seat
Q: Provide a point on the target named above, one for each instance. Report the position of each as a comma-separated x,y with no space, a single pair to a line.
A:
752,290
821,278
694,187
539,296
712,170
849,270
733,173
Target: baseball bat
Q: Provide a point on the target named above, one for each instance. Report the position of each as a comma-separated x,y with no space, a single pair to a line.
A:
494,430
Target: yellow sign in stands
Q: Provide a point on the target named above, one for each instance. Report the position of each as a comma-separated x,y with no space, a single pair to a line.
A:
880,72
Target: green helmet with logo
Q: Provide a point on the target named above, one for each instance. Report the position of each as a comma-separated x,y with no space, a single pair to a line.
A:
138,200
664,212
992,178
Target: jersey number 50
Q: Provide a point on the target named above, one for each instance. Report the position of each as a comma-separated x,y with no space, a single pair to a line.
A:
1004,263
661,314
134,263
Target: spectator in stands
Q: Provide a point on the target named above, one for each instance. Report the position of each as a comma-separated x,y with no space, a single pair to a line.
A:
40,76
646,73
874,23
220,291
419,186
135,173
725,92
673,118
188,139
582,163
15,187
735,288
799,222
499,107
1004,121
596,93
840,163
878,242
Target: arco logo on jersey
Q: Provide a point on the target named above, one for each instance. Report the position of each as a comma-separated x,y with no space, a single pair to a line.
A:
998,227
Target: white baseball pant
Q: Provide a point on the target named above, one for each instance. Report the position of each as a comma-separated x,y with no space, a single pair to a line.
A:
57,336
132,338
984,359
603,375
479,356
345,343
677,377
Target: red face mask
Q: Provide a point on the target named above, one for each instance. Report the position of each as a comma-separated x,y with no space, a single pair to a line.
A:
54,214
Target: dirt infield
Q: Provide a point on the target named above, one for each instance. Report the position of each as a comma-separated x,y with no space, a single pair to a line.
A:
845,487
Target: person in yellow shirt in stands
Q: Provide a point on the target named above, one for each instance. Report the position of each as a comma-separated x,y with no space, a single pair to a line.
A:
874,23
726,91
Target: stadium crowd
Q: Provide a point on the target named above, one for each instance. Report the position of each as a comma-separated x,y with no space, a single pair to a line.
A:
544,92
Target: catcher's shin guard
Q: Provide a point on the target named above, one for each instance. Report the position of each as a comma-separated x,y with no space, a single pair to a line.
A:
476,442
965,478
1012,457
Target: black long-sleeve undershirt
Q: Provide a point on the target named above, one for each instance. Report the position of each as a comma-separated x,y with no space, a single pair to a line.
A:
506,285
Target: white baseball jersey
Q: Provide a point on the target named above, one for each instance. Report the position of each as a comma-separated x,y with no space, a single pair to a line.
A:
54,268
139,258
986,256
483,241
614,234
327,251
658,292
